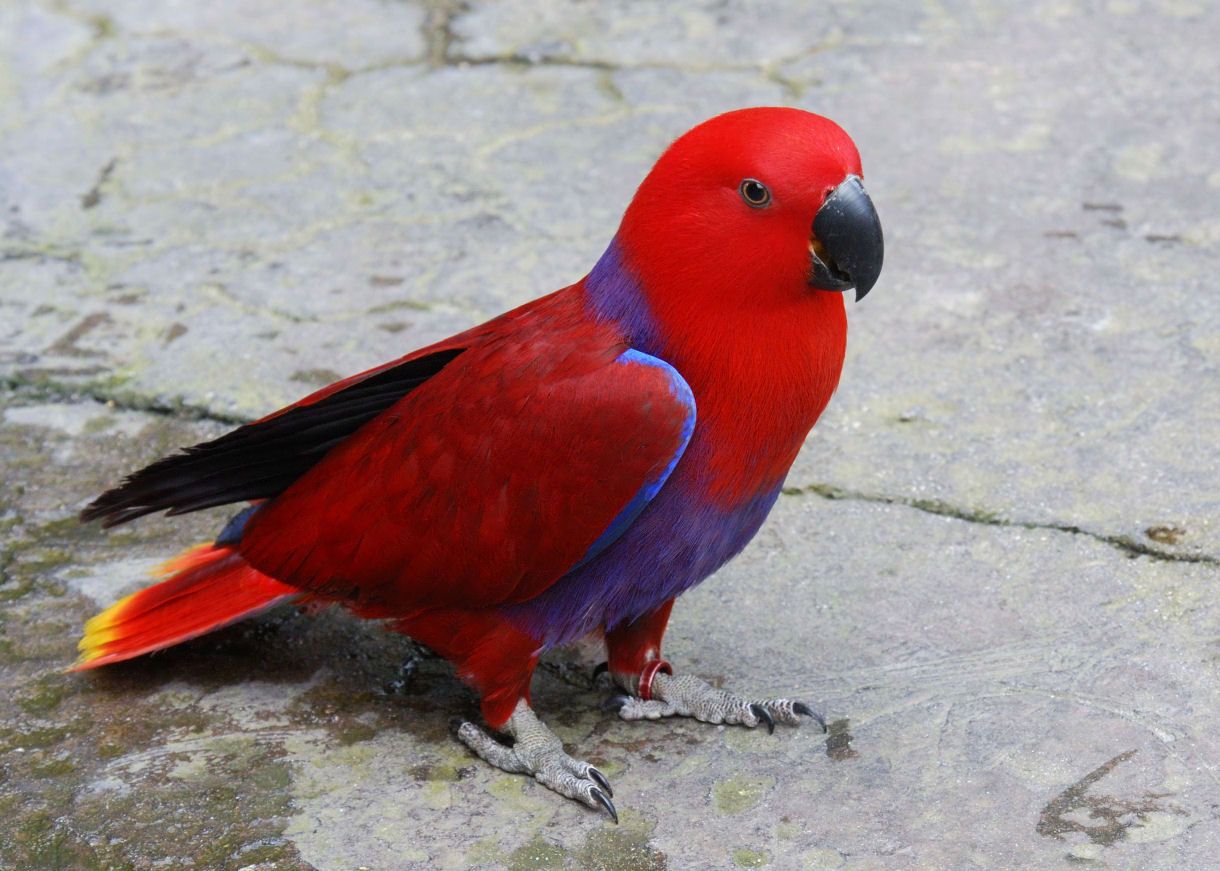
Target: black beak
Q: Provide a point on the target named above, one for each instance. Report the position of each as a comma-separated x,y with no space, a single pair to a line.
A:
847,248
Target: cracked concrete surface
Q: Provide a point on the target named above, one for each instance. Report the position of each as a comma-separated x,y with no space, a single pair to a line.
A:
995,567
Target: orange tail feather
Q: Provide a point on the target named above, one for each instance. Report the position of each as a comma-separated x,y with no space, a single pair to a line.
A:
208,587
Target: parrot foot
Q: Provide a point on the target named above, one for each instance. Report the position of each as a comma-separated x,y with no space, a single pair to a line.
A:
538,752
688,696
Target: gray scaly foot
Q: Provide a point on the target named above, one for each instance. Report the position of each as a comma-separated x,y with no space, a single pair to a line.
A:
688,696
537,752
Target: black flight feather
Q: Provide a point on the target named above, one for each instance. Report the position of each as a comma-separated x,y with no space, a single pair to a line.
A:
259,460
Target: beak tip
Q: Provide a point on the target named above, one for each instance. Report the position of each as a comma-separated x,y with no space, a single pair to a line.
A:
863,288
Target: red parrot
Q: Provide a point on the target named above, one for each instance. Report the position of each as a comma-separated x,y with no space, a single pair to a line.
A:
566,469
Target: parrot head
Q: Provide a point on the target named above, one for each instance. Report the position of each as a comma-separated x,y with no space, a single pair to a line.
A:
755,208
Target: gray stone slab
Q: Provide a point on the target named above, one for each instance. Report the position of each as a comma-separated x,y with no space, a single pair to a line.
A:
213,209
697,35
354,34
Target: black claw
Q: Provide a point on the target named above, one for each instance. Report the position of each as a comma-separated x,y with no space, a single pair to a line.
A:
600,669
804,710
765,716
605,802
594,774
614,704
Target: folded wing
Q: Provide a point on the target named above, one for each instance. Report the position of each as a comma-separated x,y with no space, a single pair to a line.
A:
521,458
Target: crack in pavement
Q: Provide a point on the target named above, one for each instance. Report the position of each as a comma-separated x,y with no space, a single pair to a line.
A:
1123,543
524,59
42,390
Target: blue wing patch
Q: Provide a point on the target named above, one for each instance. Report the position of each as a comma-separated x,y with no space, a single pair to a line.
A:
682,393
233,530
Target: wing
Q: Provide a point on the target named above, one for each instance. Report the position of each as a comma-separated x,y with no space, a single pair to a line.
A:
261,459
524,456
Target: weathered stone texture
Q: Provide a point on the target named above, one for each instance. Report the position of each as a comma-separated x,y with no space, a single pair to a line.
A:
996,564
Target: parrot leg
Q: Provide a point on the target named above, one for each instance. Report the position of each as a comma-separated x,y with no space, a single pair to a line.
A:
635,664
538,752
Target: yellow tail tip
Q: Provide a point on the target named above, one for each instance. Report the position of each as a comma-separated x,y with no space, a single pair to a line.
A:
100,630
160,615
83,662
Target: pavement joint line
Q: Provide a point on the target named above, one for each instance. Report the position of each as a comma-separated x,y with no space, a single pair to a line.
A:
528,60
336,73
943,509
69,394
769,71
14,254
517,59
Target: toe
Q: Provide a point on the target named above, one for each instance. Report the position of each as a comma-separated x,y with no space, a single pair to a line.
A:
582,770
688,696
805,711
764,716
638,709
790,712
614,704
604,800
595,775
490,750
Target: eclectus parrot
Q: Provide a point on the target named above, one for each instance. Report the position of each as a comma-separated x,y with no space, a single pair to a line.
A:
564,470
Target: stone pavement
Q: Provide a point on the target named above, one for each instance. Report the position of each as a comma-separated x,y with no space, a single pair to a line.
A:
996,564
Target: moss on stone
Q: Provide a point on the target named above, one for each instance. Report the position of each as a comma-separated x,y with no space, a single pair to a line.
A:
739,794
747,858
538,855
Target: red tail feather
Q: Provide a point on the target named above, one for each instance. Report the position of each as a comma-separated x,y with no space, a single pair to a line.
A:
208,587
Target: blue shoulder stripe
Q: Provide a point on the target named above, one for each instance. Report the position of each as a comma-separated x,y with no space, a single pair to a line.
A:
682,393
232,532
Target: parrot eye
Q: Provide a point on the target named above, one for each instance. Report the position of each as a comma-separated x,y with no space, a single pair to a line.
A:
755,193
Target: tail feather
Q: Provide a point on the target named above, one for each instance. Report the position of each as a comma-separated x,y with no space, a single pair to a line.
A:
207,587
